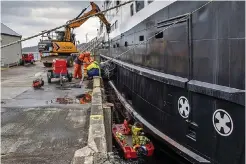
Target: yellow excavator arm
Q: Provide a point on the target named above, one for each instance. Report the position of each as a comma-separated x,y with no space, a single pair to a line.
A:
79,21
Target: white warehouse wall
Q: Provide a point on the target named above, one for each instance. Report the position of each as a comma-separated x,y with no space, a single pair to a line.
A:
9,55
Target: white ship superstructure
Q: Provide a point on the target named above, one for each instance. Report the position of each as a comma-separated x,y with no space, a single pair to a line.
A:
126,17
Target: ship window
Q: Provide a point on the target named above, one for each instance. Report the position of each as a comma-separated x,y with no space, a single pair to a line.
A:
141,38
116,24
117,3
108,3
126,44
117,44
158,35
131,8
112,27
139,5
150,1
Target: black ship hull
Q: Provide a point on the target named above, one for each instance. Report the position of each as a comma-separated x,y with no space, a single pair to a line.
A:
188,83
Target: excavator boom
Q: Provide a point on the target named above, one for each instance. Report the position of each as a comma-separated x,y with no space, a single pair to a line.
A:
79,21
64,44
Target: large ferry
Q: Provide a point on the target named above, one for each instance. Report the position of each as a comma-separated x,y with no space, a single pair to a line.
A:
187,83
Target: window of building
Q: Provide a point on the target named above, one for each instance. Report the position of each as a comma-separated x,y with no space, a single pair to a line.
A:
139,5
116,24
107,4
141,38
160,35
150,1
131,9
126,44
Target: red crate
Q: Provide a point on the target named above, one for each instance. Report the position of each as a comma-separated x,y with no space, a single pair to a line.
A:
60,66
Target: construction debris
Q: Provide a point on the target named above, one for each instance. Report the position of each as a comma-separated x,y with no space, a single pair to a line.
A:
80,99
38,83
65,101
85,99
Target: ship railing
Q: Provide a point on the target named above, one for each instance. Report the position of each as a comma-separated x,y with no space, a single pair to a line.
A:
91,45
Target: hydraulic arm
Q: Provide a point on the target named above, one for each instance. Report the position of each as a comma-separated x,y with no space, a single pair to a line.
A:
80,20
64,44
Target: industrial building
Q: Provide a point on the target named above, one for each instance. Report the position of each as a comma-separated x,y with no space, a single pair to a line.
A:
10,55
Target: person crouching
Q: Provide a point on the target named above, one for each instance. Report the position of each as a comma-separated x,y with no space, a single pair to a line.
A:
79,61
93,70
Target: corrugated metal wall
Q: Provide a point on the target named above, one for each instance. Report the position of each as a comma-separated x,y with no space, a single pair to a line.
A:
11,54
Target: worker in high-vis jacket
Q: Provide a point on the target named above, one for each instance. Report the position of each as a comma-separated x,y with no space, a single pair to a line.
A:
136,128
77,67
86,62
80,61
127,125
93,69
143,140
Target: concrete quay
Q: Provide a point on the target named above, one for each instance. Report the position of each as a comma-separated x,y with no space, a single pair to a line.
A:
97,149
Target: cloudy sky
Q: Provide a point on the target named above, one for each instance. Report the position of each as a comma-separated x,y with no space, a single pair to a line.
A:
31,17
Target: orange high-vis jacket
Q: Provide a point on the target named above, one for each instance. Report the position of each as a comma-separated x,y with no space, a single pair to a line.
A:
81,57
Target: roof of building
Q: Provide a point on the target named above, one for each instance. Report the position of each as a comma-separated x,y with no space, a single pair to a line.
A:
8,31
30,49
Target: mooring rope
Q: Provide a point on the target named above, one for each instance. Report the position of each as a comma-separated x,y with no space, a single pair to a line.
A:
68,23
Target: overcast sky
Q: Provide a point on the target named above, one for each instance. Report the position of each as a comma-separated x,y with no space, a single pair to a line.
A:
31,17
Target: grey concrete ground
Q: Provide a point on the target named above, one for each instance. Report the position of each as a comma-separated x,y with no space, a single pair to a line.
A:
96,149
34,130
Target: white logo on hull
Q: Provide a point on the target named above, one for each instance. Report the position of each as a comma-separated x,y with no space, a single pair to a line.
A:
184,107
222,122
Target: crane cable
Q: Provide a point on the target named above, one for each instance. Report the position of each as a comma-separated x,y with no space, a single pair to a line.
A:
48,31
182,19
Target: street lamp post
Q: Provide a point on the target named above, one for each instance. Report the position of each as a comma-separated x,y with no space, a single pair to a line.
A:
86,39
